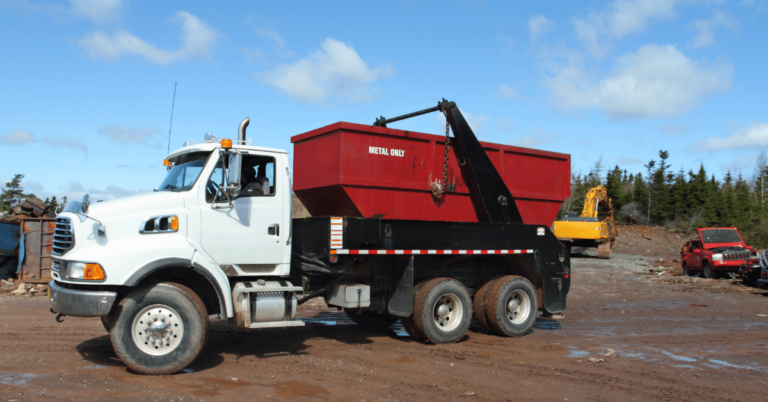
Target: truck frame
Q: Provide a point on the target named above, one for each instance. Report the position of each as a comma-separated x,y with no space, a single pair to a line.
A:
207,244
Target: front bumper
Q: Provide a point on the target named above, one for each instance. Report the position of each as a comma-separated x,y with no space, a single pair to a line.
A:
80,303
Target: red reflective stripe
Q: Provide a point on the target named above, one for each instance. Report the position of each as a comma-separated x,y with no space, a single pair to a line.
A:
354,251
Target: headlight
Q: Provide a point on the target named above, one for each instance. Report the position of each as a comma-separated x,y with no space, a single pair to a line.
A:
86,271
717,257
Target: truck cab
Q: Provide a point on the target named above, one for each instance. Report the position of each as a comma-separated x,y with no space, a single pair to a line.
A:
716,251
222,212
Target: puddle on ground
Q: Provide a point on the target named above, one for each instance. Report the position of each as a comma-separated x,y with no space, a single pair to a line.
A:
328,318
546,325
726,364
16,378
679,358
578,353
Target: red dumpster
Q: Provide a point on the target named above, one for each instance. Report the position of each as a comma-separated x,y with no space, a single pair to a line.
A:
347,169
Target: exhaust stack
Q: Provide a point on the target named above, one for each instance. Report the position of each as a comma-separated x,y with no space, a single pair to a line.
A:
241,131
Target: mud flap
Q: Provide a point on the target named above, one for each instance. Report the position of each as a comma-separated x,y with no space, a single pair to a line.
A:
401,302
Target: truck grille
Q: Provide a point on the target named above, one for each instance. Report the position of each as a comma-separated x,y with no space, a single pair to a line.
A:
63,239
736,256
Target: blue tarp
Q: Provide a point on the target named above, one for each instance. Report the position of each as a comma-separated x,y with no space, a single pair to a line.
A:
9,236
21,255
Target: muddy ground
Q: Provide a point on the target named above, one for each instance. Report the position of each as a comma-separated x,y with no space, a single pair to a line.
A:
675,339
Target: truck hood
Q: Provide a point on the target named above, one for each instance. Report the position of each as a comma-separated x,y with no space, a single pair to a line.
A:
136,203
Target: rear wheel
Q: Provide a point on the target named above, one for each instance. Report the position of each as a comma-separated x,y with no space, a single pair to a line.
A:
708,273
408,321
512,306
442,311
160,328
370,319
480,302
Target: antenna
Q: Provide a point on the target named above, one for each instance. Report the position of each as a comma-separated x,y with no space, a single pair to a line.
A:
169,128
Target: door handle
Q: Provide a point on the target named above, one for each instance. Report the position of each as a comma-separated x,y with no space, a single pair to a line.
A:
274,230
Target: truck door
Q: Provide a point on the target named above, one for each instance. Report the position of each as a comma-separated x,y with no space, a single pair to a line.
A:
250,232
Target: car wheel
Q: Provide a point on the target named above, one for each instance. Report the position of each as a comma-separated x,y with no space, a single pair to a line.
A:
708,273
685,270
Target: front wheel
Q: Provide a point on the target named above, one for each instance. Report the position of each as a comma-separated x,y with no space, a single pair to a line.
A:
159,328
685,270
708,273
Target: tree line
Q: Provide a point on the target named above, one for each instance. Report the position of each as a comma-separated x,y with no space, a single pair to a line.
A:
661,195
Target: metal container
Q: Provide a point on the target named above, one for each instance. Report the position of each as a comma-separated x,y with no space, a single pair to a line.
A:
37,238
347,169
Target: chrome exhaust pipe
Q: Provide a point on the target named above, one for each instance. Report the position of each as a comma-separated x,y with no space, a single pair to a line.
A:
241,131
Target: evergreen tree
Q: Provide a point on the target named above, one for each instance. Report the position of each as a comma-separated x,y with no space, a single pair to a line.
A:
53,204
12,194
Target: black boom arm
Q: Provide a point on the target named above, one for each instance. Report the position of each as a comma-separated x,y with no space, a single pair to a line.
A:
492,199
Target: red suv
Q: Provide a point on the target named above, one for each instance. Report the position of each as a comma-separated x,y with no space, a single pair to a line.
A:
716,251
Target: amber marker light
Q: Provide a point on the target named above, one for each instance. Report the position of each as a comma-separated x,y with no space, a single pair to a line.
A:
93,272
226,143
166,162
174,223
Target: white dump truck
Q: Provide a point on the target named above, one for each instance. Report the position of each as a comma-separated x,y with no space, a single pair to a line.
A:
216,238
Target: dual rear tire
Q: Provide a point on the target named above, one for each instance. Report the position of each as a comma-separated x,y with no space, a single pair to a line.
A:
443,309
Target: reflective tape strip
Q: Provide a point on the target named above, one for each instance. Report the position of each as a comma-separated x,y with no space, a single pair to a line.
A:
433,252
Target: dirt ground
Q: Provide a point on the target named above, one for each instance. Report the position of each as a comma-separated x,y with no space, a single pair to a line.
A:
675,339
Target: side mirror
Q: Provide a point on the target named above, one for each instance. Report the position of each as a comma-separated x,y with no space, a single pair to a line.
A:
233,174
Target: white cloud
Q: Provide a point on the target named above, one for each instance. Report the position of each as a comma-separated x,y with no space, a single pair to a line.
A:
98,11
124,134
506,125
336,70
507,92
675,130
66,142
20,137
629,161
622,17
706,28
17,137
197,38
540,136
539,25
656,81
753,136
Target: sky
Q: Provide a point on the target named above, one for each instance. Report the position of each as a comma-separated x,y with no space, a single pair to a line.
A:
86,87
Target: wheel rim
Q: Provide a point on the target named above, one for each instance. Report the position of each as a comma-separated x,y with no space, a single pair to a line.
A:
707,271
157,330
518,306
447,312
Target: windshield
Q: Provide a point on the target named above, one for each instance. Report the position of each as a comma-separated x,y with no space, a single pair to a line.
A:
185,172
720,236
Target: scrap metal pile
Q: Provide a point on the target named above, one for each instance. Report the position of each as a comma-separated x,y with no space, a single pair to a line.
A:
31,207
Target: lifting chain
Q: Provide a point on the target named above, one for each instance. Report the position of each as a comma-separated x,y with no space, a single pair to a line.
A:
439,190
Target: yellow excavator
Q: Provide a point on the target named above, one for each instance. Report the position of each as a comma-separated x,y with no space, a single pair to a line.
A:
593,228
